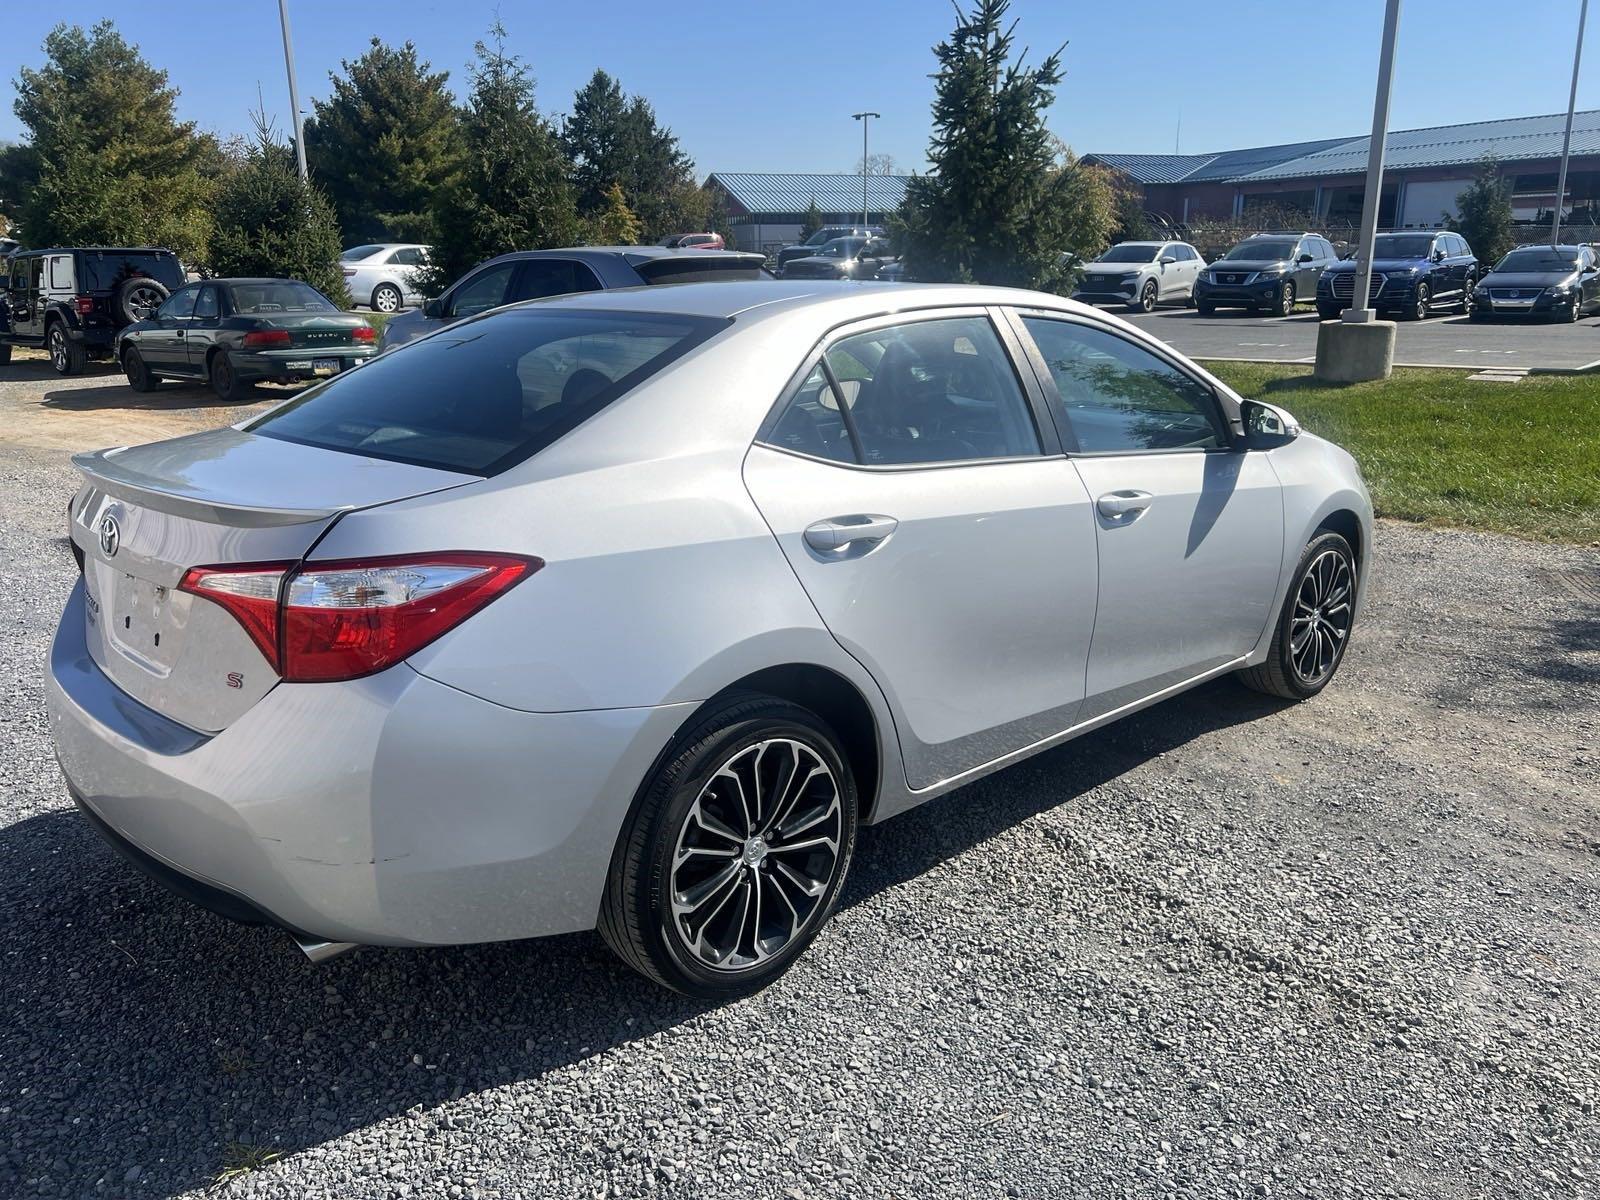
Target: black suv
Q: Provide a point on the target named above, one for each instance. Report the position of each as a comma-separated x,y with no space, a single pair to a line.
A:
813,245
72,301
1271,271
1412,274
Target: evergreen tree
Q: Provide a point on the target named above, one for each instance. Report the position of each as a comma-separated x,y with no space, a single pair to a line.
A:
613,138
111,164
812,221
1485,213
616,224
992,209
385,144
271,222
512,192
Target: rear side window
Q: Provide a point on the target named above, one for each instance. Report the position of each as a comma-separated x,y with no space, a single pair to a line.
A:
484,395
101,271
918,393
554,277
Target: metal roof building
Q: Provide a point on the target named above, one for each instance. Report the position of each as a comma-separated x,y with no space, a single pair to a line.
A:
1424,171
767,209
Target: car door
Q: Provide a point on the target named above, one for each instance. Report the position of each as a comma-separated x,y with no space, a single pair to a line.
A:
1189,528
205,326
23,298
1189,265
405,263
165,347
946,544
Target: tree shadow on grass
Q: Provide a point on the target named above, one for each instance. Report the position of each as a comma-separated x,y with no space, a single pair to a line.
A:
137,1030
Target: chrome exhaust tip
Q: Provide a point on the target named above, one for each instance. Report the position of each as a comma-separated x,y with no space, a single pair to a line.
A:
321,952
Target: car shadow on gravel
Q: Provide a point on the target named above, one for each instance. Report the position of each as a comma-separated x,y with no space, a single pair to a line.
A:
141,1037
169,398
34,372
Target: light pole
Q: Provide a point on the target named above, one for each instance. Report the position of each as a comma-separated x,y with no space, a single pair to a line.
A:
294,89
866,119
1566,141
1360,311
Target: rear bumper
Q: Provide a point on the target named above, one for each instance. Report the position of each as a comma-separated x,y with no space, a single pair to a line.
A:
388,810
297,363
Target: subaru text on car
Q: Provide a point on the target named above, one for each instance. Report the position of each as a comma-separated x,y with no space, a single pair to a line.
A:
1270,272
73,302
1413,274
1552,283
1141,275
530,274
234,333
627,609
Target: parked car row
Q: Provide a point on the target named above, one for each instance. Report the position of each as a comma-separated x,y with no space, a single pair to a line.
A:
1413,276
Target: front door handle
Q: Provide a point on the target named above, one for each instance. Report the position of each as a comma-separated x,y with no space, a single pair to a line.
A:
1123,503
838,532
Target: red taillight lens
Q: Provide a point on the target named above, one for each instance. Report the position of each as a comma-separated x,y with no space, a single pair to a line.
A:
342,620
364,333
84,305
267,339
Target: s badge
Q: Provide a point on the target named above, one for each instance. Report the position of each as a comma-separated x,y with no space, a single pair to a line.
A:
235,680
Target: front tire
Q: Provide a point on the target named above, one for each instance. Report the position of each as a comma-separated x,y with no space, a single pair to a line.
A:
66,355
1314,625
139,377
1286,298
1329,312
5,355
386,298
1421,301
735,852
1146,303
1205,308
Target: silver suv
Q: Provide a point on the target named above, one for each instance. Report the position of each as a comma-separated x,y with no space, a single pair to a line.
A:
1141,275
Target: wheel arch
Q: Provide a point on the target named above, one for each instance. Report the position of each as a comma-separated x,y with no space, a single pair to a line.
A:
1347,525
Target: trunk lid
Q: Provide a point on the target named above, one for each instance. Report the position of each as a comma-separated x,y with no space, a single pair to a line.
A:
146,514
323,333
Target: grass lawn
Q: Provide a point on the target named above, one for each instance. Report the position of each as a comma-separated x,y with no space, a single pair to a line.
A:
1519,458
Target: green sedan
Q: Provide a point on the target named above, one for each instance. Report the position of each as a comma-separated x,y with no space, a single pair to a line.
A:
238,332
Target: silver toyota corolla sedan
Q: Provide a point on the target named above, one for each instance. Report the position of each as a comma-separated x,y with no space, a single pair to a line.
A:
626,609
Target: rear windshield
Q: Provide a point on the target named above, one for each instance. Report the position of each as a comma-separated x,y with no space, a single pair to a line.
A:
105,270
357,253
257,299
483,395
707,266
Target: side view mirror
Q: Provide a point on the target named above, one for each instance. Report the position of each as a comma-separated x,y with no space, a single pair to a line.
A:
1266,426
1305,258
433,309
1167,260
1438,256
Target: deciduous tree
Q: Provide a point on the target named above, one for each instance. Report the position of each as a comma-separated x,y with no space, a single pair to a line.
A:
385,144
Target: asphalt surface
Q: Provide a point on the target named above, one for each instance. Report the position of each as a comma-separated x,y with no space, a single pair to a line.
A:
1225,948
1449,340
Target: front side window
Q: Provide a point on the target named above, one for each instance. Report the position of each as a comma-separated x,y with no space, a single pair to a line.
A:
1119,398
921,392
484,395
483,291
409,256
179,305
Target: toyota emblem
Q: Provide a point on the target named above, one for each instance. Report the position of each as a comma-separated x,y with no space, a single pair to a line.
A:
110,535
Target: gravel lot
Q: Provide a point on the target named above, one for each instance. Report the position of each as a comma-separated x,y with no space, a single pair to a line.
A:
1226,948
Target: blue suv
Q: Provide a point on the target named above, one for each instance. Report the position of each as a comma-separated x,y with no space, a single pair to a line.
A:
1412,274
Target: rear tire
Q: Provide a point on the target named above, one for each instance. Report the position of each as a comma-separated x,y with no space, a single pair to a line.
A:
716,887
66,355
386,298
1314,624
139,377
225,381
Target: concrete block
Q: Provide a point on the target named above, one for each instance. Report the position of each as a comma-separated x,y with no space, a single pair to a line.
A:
1348,353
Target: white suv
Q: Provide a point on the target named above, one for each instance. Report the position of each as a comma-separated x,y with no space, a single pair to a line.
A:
381,276
1141,275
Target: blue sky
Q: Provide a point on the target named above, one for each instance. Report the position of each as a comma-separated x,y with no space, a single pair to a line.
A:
763,86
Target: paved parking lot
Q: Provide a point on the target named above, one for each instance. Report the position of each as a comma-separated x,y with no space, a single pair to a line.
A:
1443,341
1225,948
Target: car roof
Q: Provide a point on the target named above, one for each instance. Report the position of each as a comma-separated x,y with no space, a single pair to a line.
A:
848,299
252,279
99,250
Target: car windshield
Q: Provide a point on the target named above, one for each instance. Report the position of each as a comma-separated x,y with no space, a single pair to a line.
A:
1261,251
845,247
357,253
1402,246
104,270
278,296
485,394
1129,254
1543,259
821,236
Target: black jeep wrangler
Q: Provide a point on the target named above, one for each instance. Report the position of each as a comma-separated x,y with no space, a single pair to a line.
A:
72,301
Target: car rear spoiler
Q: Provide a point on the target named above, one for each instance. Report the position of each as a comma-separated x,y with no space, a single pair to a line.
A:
697,266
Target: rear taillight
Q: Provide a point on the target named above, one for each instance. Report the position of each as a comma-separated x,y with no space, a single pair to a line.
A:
84,305
266,339
364,333
349,271
341,620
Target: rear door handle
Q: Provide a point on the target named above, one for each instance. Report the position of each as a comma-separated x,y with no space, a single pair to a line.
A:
838,532
1121,503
